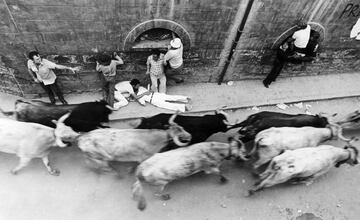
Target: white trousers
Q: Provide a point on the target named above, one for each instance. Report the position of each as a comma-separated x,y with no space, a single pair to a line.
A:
165,101
120,100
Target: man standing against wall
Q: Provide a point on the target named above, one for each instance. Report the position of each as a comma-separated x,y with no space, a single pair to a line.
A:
41,70
300,38
173,60
107,67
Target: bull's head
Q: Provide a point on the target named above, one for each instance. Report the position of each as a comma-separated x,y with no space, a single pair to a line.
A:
350,121
64,132
237,149
325,118
353,156
226,118
337,131
178,133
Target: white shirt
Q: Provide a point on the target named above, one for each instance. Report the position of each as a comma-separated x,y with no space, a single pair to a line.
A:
124,88
302,37
44,71
355,31
175,57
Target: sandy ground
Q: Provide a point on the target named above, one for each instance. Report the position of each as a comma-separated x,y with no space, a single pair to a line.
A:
81,193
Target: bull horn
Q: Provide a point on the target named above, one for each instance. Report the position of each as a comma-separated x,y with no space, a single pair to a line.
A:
172,118
341,136
340,132
178,142
63,118
59,142
226,122
109,107
7,113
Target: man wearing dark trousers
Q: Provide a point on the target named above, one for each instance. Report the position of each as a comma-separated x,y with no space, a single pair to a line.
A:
41,70
285,54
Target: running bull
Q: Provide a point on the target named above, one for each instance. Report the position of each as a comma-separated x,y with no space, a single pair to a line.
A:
200,127
304,165
273,141
103,146
28,141
84,117
255,123
165,167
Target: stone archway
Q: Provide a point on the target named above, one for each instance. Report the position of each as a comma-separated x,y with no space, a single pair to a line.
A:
178,29
314,26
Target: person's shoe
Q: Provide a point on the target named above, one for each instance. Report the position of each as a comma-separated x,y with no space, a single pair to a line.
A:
64,102
180,81
266,84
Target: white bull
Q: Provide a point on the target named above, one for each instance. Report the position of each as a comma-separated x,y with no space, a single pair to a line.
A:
163,168
124,145
304,165
28,141
273,141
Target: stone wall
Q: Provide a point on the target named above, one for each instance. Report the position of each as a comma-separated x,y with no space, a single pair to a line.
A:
269,19
70,31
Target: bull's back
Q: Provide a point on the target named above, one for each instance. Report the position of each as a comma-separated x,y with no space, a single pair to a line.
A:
25,138
124,144
170,165
41,114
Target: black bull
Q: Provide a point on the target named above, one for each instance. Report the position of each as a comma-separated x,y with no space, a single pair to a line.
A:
200,127
255,123
84,116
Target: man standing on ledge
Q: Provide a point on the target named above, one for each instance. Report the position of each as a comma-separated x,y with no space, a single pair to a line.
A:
173,60
41,70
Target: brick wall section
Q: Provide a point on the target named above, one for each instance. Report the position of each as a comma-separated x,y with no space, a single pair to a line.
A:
68,31
76,27
269,19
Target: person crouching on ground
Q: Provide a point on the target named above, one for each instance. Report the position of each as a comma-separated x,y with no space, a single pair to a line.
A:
155,68
173,60
107,67
127,91
41,70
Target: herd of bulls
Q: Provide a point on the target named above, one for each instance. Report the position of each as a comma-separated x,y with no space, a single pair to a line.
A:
280,147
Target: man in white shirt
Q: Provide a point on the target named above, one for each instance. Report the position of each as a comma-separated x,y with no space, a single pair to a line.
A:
127,90
41,70
173,60
142,95
301,38
355,31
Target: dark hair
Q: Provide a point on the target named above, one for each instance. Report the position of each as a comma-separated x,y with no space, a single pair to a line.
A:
156,52
134,82
32,54
104,59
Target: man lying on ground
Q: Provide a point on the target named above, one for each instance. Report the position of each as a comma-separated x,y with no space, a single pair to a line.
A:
161,100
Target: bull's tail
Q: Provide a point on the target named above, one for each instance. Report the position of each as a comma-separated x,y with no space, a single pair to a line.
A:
138,195
9,113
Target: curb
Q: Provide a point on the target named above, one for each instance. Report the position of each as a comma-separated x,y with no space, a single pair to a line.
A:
234,108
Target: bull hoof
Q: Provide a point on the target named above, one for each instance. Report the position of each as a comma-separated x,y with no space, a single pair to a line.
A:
249,193
13,172
165,197
55,172
223,180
